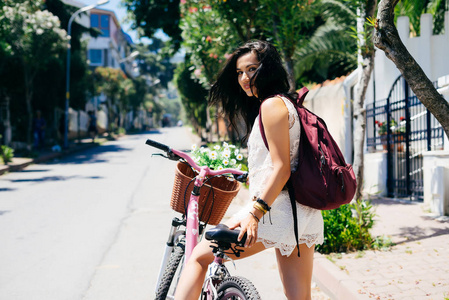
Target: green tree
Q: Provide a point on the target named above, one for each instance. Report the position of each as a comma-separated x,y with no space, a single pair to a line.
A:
79,74
292,24
111,82
193,96
33,37
154,62
415,8
149,16
331,51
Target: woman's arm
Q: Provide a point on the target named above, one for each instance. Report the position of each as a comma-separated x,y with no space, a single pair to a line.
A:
276,125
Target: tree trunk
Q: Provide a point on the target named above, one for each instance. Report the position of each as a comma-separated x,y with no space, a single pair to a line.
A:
291,73
208,125
387,38
110,116
360,122
7,123
366,65
29,107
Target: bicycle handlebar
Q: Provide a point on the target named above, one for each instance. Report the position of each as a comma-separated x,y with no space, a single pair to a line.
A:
174,154
158,145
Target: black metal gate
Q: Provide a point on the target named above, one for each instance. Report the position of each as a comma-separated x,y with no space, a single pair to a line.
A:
402,127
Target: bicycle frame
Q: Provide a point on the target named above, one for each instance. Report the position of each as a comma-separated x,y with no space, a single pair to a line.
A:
215,271
192,226
192,219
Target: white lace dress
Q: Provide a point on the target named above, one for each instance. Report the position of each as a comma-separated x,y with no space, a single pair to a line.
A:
280,233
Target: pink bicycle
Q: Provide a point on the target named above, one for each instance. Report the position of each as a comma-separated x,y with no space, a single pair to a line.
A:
186,231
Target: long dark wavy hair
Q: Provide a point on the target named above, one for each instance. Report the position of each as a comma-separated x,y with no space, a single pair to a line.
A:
269,79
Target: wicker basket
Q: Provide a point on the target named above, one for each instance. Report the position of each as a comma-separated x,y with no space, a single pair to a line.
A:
212,205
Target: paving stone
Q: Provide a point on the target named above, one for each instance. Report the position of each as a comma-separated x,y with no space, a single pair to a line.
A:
416,268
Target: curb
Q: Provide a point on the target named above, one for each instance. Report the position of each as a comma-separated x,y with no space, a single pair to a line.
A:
335,283
25,162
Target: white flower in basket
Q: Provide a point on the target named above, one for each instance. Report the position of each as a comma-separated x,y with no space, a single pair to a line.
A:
218,157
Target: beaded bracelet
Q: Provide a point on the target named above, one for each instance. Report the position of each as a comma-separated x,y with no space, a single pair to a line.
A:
259,207
264,204
255,217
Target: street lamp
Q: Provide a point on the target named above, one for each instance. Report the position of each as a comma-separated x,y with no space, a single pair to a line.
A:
67,89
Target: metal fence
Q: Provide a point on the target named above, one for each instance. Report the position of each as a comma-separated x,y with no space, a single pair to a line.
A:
403,128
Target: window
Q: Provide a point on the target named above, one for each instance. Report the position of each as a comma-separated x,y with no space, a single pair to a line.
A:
96,56
101,22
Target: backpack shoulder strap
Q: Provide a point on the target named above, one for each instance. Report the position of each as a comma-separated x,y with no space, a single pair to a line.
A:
301,96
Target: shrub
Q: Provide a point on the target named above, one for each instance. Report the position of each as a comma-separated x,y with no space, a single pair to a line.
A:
347,228
7,154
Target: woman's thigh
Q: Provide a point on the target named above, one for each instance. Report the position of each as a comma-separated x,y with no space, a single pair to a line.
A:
296,272
203,252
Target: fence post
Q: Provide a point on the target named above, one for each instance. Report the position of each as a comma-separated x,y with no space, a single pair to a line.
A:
407,137
429,130
390,177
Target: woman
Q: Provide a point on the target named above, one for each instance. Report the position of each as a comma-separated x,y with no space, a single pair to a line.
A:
252,75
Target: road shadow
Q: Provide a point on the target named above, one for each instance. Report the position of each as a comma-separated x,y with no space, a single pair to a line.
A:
90,156
33,171
54,178
386,201
416,233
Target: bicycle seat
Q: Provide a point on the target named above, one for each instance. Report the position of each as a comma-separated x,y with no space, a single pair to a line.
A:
222,233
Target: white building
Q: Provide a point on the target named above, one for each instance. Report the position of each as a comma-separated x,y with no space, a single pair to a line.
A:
111,48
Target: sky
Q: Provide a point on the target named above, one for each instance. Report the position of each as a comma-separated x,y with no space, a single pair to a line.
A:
120,12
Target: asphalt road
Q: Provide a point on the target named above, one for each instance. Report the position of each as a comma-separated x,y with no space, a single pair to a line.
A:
89,226
93,226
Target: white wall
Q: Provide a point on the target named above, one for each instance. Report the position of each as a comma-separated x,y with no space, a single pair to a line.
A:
328,103
430,51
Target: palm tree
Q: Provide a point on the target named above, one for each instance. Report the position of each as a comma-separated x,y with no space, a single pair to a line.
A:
332,49
415,8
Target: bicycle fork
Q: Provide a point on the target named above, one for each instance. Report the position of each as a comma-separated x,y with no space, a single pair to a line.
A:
173,236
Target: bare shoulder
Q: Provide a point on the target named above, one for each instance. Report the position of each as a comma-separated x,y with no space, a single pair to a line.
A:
274,106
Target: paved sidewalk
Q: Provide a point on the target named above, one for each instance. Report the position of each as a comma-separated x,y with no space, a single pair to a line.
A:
417,267
19,163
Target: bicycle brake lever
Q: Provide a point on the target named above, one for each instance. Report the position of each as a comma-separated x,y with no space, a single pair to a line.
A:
170,156
173,156
241,178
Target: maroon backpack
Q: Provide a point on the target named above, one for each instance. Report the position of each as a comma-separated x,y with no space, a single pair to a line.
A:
322,179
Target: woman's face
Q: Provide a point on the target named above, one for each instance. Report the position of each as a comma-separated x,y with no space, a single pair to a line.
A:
246,67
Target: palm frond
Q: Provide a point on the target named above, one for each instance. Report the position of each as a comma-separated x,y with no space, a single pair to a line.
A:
331,47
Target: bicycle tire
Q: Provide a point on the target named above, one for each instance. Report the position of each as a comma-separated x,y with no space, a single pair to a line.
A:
174,263
236,287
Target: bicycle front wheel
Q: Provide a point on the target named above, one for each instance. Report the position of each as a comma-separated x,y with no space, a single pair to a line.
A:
167,286
237,288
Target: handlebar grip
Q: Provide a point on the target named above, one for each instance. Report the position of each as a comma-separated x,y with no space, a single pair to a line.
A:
157,145
242,178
